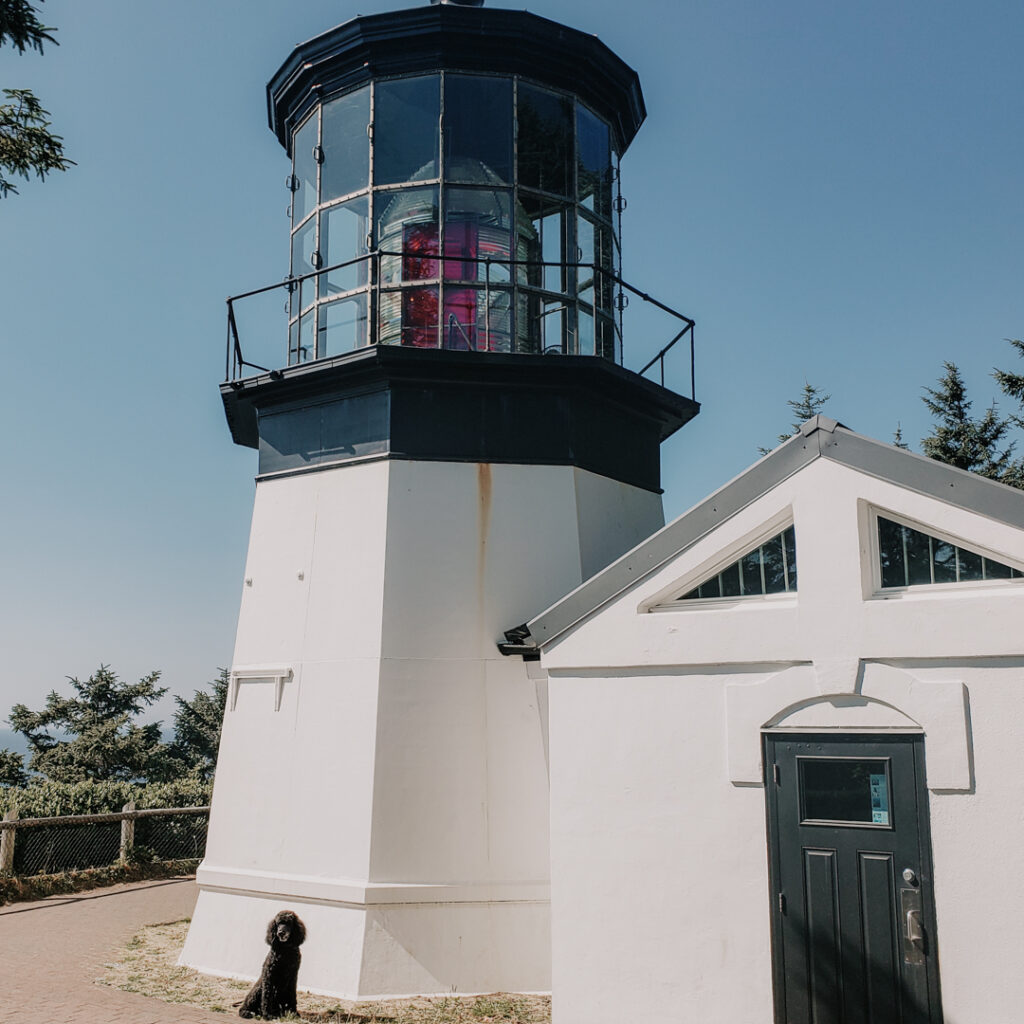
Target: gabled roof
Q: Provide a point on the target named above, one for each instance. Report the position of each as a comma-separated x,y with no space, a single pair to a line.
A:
820,437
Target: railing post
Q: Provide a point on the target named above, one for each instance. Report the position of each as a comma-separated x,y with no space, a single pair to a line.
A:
7,844
127,834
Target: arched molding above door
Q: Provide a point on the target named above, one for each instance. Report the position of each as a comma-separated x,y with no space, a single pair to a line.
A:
884,699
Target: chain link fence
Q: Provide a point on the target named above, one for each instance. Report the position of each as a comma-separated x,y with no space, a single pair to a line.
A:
44,846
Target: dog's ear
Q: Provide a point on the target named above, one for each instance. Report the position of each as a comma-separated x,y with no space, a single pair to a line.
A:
300,931
272,929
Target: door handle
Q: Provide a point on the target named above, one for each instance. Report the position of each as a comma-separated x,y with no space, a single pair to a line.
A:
913,940
915,931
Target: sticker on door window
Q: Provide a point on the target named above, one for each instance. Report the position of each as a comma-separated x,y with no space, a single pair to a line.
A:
879,800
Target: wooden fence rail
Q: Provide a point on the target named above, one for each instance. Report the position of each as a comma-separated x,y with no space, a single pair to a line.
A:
11,825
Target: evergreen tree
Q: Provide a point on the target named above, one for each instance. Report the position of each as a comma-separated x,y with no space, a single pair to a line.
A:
811,401
26,142
197,724
897,438
966,442
93,735
1012,384
12,770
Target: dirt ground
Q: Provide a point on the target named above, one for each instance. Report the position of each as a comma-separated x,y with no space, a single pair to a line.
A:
146,964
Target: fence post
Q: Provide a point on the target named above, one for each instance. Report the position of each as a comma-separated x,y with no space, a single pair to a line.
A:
7,844
127,834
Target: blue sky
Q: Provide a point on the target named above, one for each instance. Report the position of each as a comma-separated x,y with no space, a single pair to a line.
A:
832,190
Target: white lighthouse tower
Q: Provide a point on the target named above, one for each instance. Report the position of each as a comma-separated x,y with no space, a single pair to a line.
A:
452,445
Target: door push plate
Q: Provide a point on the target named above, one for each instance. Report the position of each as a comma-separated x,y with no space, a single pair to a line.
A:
911,927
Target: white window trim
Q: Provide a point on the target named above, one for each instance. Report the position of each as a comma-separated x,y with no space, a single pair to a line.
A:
880,593
667,600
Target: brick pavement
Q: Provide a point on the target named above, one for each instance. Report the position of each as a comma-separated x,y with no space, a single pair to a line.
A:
51,952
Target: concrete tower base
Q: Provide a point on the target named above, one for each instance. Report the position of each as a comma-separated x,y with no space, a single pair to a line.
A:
383,769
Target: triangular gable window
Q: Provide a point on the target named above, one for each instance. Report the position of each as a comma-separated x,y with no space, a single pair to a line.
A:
910,558
770,568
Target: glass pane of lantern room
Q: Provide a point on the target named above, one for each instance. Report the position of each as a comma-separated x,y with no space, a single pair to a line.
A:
343,231
594,163
342,326
552,320
346,145
494,320
478,129
303,144
545,140
585,328
303,254
477,229
406,119
458,328
587,256
407,228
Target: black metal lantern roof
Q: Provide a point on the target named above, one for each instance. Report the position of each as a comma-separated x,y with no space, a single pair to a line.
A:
456,38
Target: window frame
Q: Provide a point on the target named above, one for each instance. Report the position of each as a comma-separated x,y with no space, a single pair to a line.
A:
669,599
880,593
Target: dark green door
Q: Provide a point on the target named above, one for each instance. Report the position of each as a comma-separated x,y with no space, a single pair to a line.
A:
853,912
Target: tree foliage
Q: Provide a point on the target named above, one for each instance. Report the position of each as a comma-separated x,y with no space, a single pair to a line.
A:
12,769
42,798
26,143
809,403
197,725
103,742
20,26
977,444
1012,384
89,748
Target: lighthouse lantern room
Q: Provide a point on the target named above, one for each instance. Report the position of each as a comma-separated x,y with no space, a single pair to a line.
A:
450,443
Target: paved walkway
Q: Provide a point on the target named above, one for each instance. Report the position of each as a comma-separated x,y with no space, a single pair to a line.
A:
52,950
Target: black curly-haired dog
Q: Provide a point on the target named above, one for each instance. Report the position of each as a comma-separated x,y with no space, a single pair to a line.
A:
274,991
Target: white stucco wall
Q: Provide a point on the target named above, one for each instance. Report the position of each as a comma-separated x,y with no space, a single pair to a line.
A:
660,899
399,793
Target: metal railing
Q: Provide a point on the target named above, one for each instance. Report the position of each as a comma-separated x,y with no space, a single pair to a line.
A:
236,362
75,842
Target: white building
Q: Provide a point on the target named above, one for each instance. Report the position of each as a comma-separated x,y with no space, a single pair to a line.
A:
785,738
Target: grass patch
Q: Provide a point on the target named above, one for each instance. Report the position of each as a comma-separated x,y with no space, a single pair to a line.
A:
17,889
146,965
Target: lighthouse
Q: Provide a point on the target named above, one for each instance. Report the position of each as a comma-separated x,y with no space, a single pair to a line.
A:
448,443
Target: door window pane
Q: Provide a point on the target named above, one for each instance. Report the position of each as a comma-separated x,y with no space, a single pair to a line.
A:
346,166
303,144
845,790
406,118
478,129
545,140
